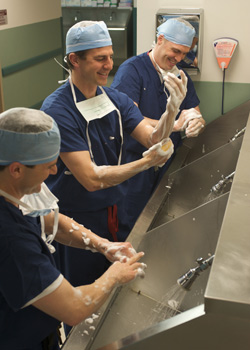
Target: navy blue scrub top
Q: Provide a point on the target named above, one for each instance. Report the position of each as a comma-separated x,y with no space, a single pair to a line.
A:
26,269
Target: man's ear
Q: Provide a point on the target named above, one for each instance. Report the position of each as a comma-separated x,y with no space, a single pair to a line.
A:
160,39
16,170
74,59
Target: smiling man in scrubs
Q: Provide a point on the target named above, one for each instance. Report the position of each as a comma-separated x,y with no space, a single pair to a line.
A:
142,79
34,295
93,121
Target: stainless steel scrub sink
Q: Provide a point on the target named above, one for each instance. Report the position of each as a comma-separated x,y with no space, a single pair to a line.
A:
183,222
192,185
169,251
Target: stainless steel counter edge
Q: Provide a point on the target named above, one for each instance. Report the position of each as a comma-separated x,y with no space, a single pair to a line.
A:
228,288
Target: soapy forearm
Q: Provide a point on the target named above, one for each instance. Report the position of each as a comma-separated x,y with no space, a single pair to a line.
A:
108,176
73,234
177,88
165,125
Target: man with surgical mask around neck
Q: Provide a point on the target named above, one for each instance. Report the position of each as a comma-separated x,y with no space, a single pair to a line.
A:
34,295
93,121
142,79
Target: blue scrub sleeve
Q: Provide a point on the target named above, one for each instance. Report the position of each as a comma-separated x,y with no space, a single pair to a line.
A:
26,268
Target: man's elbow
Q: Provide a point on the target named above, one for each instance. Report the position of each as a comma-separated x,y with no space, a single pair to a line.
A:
93,186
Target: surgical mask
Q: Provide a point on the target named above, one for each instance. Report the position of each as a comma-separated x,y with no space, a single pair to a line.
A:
96,108
162,73
39,204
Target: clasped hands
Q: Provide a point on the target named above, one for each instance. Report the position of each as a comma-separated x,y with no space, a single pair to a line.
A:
191,121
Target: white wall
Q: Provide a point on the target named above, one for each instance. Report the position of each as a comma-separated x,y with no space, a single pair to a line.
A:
22,12
221,18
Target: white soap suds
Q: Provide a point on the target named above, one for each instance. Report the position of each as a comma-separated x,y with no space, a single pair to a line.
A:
85,239
132,251
100,170
87,300
78,293
93,250
116,250
75,227
140,270
89,320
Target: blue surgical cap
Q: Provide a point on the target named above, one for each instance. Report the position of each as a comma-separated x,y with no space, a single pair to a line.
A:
177,32
28,136
87,35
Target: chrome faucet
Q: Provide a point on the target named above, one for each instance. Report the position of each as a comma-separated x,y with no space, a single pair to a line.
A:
222,183
238,134
188,278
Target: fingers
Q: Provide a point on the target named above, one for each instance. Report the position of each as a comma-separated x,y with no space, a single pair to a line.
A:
189,115
135,258
139,269
119,251
184,80
177,89
174,83
194,128
129,270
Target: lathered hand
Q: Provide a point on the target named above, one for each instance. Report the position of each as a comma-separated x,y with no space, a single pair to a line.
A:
177,88
163,149
191,121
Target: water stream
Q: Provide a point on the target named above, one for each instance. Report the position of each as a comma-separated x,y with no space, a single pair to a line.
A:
169,306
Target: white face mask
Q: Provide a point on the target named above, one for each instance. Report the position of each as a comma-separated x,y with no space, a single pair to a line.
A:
39,204
96,108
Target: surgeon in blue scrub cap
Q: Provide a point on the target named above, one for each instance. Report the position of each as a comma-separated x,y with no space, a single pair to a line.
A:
34,295
93,121
142,79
